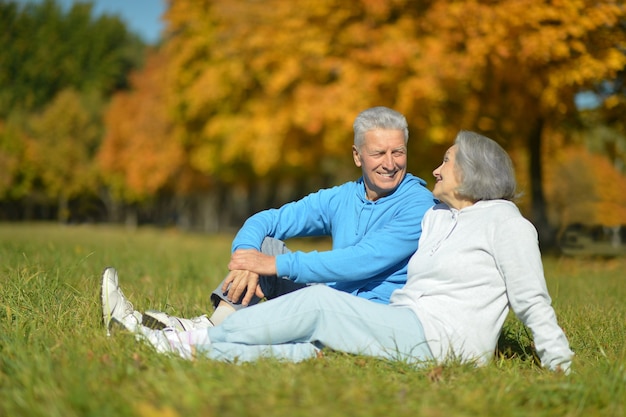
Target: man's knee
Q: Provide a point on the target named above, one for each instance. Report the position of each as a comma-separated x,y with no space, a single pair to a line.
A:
273,246
274,287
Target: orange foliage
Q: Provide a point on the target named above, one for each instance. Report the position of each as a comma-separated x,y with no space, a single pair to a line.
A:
262,87
138,156
524,59
276,85
587,189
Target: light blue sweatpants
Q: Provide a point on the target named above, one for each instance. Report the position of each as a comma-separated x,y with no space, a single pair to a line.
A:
293,327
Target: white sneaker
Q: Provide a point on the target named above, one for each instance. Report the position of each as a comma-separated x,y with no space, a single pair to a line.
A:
159,320
116,309
169,340
158,339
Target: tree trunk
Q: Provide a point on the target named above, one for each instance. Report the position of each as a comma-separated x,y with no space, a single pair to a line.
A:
538,213
131,217
113,208
63,213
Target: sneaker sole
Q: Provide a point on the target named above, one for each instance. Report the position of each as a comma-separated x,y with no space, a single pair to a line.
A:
104,296
155,320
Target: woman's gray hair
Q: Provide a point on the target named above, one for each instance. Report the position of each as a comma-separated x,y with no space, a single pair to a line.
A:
484,167
378,118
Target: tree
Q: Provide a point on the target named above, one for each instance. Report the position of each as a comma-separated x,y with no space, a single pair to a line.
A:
10,150
262,89
596,184
137,158
64,141
46,51
519,65
260,93
67,57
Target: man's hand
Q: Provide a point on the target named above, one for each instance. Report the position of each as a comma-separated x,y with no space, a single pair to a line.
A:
240,282
254,261
245,267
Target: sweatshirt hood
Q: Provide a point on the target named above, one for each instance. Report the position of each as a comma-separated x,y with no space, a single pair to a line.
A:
401,190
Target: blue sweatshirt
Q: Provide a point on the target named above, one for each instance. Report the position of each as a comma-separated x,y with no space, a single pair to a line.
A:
372,241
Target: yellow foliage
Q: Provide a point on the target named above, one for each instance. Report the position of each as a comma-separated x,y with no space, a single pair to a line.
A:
612,101
587,189
259,87
64,136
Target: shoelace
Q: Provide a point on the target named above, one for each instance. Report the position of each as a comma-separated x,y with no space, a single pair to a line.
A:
128,306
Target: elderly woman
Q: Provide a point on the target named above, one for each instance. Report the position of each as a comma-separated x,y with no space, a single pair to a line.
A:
477,256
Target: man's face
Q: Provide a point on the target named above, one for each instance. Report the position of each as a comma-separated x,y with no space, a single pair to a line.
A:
382,158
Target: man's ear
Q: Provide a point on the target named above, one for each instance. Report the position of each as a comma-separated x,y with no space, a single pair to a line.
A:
357,156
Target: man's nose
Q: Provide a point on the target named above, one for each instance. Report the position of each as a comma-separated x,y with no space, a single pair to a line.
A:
388,160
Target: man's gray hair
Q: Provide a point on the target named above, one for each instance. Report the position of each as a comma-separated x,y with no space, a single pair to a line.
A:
378,118
484,168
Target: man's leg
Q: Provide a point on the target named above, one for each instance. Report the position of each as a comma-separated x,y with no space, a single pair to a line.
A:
270,246
272,287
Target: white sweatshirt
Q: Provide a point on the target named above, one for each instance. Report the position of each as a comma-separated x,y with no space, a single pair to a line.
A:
471,265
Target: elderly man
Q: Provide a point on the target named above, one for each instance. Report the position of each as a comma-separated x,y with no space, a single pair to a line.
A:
374,223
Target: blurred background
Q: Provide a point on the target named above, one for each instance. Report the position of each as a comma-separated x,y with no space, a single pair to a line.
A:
197,113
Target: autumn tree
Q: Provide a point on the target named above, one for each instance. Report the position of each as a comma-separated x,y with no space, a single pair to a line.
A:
518,65
269,89
16,173
137,158
605,119
586,189
65,137
52,57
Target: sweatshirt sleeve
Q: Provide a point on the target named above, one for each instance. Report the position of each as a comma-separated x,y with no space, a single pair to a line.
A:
305,217
519,259
377,255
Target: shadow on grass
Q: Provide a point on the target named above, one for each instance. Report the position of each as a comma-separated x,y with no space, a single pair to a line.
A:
516,343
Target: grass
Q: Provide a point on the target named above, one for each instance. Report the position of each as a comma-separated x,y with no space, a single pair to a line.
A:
55,359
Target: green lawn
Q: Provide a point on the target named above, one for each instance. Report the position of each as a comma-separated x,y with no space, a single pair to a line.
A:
56,360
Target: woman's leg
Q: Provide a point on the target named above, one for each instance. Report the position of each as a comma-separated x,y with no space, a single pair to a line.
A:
194,343
237,352
319,315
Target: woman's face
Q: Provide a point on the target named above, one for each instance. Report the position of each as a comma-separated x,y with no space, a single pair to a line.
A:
447,181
